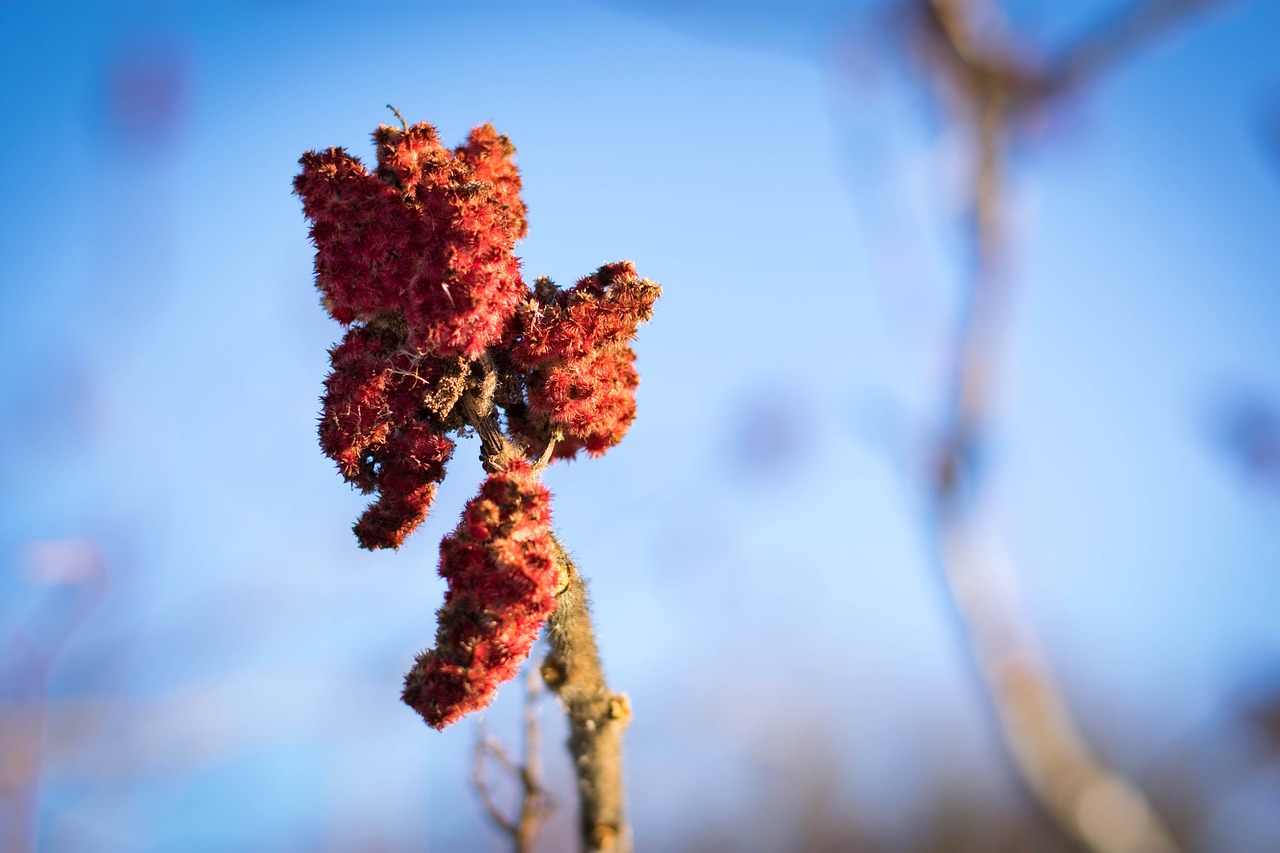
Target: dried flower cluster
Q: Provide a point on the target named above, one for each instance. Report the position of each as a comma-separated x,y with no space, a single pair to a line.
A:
444,336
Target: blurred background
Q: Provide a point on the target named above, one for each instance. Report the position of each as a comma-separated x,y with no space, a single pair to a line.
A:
194,654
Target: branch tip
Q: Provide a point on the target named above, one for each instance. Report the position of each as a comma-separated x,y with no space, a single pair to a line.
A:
403,124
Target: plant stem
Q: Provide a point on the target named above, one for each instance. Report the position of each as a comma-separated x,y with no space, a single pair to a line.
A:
597,716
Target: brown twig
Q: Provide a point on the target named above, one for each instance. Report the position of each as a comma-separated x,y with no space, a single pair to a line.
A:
22,736
1087,800
597,716
535,802
477,410
486,748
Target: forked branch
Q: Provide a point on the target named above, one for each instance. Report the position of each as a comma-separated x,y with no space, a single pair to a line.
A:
1089,802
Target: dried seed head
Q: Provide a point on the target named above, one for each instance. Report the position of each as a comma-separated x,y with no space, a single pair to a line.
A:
502,574
429,235
575,347
374,425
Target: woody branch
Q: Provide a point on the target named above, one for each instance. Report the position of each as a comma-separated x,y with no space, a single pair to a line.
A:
990,88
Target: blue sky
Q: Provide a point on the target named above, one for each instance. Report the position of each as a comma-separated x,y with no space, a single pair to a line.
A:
757,546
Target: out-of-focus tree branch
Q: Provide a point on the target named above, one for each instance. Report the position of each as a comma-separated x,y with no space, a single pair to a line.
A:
989,84
1089,802
24,676
1116,39
986,68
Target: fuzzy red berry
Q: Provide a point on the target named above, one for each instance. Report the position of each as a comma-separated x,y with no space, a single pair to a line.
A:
416,257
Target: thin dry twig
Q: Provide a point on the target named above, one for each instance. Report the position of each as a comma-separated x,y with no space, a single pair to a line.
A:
486,748
496,448
535,803
1088,801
